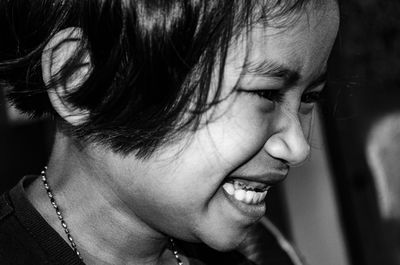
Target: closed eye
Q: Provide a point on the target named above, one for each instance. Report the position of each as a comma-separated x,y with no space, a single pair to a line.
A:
311,97
314,96
273,95
276,95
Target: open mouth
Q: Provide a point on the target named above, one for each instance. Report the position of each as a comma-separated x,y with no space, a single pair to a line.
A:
251,193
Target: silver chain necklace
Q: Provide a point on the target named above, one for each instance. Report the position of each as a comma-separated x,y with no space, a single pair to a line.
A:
65,227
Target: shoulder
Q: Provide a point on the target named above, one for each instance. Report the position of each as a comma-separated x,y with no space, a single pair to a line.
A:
6,208
9,236
6,238
17,247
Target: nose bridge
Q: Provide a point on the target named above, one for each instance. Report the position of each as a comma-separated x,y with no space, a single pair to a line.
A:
296,141
289,141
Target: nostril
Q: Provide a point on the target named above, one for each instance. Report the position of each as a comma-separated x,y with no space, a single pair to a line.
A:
300,163
293,150
300,156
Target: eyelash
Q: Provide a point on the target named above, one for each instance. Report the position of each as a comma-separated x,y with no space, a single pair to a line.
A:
312,97
271,95
277,95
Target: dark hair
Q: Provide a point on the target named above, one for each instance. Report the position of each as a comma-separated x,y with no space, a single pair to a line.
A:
152,61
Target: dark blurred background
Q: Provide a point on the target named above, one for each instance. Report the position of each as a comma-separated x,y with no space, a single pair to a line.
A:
363,150
342,208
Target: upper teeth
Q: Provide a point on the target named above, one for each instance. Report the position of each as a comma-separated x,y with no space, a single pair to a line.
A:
246,196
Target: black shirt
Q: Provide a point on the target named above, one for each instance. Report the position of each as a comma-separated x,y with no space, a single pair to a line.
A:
25,237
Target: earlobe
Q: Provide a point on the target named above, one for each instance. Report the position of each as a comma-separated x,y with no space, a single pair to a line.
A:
58,51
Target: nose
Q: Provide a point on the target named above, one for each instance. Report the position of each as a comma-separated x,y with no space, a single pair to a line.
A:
288,141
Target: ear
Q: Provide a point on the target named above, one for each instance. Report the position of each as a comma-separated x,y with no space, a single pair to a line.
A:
56,54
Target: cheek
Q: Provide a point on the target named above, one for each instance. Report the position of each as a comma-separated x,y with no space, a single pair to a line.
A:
236,137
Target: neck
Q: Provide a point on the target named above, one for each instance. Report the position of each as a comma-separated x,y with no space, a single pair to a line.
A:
104,228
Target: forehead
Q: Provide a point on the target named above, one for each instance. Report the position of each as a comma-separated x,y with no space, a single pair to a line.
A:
301,43
309,34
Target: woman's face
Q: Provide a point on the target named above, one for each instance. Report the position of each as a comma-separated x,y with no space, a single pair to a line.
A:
210,186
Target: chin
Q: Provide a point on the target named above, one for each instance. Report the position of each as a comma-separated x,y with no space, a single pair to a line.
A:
229,240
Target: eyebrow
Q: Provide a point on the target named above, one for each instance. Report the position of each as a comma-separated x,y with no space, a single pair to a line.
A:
270,69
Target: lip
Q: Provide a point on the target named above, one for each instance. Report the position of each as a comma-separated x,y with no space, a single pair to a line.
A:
268,179
252,212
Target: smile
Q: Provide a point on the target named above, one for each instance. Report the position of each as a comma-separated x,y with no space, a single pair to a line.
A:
245,192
